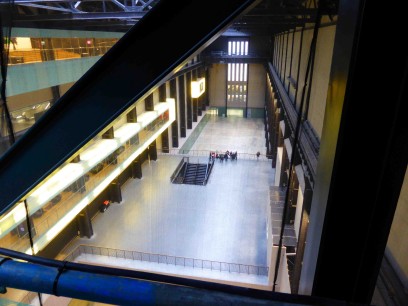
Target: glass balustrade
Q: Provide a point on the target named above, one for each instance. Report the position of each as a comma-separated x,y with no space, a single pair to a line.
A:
25,50
61,197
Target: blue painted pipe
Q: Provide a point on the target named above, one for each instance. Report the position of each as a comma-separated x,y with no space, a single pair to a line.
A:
79,285
113,289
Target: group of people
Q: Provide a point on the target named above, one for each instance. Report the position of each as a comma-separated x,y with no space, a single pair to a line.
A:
224,156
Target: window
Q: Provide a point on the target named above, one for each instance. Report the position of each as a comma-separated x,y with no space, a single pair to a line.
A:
237,75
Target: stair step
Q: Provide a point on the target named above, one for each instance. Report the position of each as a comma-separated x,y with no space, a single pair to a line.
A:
194,174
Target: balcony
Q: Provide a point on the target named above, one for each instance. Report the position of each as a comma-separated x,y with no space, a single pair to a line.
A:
56,201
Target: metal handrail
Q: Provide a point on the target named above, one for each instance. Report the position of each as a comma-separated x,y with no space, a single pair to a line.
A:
185,169
167,259
242,155
177,171
207,171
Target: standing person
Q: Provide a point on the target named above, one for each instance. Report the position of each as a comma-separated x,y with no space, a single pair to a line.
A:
257,155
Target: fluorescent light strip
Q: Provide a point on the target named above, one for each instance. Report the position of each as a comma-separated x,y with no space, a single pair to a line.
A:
147,118
98,152
55,184
150,116
67,218
89,158
128,161
71,172
172,108
197,88
127,131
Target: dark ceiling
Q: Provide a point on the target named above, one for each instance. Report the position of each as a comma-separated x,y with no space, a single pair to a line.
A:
267,18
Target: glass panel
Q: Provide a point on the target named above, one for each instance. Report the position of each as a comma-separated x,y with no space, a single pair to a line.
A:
25,117
57,201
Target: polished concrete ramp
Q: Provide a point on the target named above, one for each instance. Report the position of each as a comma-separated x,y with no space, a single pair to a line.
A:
223,221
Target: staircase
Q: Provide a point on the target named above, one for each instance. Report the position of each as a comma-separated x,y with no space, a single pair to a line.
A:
192,173
195,174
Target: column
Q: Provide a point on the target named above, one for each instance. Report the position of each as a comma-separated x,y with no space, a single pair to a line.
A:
174,124
136,168
194,102
162,93
114,191
149,105
165,141
189,102
200,102
84,223
131,116
109,134
182,106
206,101
55,93
152,150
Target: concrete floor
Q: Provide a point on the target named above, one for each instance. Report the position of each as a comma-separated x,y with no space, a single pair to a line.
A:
223,221
246,136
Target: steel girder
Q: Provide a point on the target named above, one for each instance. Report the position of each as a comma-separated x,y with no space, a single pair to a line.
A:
170,34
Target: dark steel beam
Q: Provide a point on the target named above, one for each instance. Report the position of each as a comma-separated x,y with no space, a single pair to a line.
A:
47,7
81,16
245,22
125,74
363,155
108,26
148,2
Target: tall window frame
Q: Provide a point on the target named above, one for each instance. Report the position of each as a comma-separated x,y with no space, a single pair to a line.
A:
237,73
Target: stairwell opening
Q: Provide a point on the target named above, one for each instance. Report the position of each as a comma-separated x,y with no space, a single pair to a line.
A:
192,173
